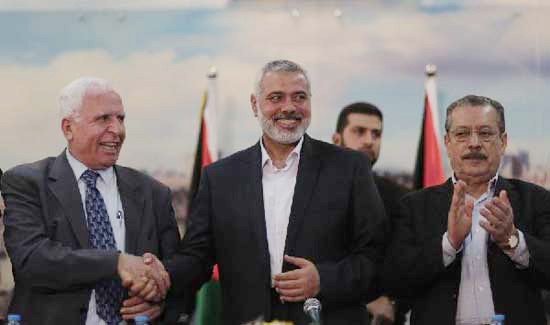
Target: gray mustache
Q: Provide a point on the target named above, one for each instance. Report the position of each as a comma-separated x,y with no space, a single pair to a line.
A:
290,116
474,155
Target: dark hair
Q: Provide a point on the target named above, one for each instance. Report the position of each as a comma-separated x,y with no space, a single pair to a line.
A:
476,101
359,107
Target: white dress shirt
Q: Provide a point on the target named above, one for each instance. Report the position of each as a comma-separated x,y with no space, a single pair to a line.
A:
278,189
475,300
106,185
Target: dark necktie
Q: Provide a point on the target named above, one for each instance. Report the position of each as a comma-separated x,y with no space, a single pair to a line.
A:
108,292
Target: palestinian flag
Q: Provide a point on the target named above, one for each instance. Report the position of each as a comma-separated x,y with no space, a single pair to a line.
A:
429,167
208,303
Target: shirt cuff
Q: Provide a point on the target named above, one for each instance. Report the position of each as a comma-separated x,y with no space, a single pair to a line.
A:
520,255
449,252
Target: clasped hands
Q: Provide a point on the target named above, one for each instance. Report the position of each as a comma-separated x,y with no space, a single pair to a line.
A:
147,282
497,211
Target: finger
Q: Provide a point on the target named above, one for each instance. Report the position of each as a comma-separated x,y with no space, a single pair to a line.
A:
504,205
498,211
288,284
126,279
290,292
503,195
159,280
290,275
137,285
455,198
468,207
144,289
298,261
292,299
490,218
140,308
488,227
132,301
148,258
154,295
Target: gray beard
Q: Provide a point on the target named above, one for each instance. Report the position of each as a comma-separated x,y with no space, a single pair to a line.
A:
282,136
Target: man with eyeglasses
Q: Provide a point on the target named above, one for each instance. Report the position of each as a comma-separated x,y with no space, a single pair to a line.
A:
479,244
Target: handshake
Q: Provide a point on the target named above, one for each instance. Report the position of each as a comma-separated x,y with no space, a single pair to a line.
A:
147,282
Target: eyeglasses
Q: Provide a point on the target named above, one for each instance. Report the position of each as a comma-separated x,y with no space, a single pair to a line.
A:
463,135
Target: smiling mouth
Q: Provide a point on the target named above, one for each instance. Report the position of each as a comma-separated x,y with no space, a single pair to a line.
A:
110,145
288,122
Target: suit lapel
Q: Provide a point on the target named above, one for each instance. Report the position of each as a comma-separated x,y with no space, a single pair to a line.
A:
63,185
133,202
306,180
445,193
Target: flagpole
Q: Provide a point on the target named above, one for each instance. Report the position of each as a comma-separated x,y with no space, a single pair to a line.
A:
431,92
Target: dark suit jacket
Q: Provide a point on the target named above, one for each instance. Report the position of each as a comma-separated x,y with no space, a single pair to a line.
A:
391,192
46,237
414,265
336,220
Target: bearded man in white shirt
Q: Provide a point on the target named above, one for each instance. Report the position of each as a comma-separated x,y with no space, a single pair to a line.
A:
287,219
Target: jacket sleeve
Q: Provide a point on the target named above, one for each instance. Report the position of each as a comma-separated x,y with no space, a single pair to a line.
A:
192,263
38,260
352,279
415,256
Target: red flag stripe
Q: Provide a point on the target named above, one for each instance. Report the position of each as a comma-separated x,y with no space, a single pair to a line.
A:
433,167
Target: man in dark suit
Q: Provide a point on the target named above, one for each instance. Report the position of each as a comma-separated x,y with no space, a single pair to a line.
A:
479,244
287,219
68,218
359,127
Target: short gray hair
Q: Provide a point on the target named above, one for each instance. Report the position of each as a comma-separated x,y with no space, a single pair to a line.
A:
71,96
279,66
476,101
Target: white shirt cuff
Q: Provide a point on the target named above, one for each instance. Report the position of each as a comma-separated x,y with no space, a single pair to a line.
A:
449,252
520,255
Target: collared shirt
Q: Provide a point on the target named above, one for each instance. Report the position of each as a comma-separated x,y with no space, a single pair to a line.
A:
106,185
278,189
475,300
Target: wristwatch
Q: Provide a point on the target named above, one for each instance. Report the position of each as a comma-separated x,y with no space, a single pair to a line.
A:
513,241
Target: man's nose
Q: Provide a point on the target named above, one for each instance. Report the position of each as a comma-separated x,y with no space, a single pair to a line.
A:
288,106
116,126
367,139
474,140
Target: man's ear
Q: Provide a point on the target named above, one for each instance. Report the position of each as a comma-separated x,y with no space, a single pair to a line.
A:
254,105
67,129
337,139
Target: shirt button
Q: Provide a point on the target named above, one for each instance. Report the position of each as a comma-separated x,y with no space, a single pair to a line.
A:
480,288
478,257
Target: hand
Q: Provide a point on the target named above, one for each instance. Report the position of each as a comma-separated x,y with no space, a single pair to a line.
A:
137,306
163,278
135,275
382,307
459,220
299,284
499,221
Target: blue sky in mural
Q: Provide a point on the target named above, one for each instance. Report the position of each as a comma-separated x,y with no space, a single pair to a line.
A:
158,56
